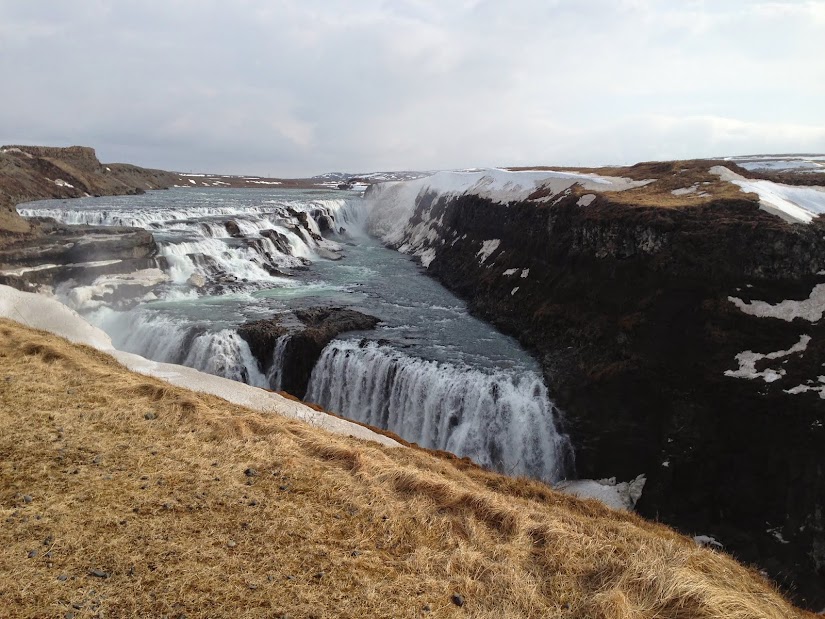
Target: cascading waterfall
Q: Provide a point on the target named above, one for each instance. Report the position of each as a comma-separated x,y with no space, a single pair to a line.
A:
158,337
470,402
499,420
275,375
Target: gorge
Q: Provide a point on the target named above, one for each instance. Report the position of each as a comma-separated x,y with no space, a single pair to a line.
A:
672,333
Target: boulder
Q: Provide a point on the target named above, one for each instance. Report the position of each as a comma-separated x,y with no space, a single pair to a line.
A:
318,327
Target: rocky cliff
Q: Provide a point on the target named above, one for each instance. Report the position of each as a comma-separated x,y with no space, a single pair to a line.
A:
305,336
679,331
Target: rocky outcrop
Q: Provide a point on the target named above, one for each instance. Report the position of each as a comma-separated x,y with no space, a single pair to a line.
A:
309,330
41,172
633,313
79,254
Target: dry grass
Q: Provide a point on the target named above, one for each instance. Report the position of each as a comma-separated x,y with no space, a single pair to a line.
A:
667,176
328,527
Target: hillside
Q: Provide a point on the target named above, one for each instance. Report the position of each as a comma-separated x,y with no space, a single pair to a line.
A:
41,172
125,496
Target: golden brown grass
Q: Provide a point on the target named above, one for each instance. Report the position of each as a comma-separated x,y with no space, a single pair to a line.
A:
667,176
328,527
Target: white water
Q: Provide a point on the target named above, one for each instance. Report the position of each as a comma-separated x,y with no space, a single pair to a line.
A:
160,337
275,375
458,385
502,421
194,234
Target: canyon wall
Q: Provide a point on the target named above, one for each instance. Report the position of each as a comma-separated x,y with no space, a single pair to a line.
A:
681,343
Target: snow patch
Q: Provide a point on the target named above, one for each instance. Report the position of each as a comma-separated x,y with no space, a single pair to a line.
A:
193,182
685,190
17,151
525,273
622,495
61,183
748,359
487,248
392,204
707,541
811,386
811,309
793,203
510,272
427,257
586,200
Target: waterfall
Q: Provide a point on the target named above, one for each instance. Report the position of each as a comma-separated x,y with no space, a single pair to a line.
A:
501,421
159,337
276,373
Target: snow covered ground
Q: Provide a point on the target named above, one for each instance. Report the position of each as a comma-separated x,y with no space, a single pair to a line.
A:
392,204
782,163
793,203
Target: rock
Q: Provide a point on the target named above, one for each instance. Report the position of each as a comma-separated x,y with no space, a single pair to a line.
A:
250,472
457,599
98,573
319,575
426,608
320,326
32,554
280,241
231,543
150,416
197,280
27,498
63,578
233,229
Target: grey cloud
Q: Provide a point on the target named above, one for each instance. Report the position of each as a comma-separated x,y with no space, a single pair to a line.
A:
305,87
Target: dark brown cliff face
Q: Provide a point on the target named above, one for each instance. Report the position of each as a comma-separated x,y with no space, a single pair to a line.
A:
628,310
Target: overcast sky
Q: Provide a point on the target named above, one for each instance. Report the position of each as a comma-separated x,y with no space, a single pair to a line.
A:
294,87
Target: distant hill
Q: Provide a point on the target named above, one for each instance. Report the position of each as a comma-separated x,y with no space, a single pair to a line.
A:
41,172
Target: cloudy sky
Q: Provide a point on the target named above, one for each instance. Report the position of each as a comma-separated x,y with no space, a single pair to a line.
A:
294,87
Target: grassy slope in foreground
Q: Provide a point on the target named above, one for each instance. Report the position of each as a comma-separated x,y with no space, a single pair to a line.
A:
328,526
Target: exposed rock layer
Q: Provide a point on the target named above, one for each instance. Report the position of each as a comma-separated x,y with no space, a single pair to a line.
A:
627,308
318,328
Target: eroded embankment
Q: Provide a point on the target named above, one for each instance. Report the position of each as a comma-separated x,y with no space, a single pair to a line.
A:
125,496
